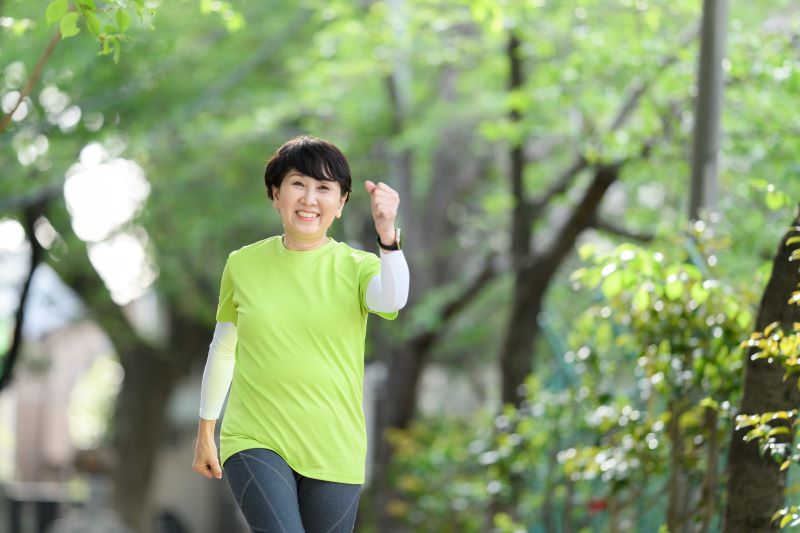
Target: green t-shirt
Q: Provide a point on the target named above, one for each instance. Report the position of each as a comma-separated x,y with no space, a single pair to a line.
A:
297,386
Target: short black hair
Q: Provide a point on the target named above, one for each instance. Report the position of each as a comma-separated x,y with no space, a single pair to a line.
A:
312,157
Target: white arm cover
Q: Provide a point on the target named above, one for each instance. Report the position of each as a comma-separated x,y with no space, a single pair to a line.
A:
388,291
218,373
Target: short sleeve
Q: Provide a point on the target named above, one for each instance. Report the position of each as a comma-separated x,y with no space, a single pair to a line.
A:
370,266
226,311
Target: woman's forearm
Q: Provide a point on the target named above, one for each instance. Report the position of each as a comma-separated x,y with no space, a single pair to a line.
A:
205,429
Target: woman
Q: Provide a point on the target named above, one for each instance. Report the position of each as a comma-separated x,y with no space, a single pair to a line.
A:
289,342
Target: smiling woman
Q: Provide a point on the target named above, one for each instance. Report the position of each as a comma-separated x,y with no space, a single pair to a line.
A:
307,208
309,183
291,325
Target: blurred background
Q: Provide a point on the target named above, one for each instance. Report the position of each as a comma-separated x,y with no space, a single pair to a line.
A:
594,194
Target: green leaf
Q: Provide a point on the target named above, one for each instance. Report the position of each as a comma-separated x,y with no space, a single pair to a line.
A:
92,23
69,25
674,289
117,50
775,200
743,319
612,285
699,293
709,402
55,11
780,430
770,328
123,20
642,299
105,44
87,4
586,251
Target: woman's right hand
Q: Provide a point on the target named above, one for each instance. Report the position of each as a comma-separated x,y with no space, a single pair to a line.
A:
206,461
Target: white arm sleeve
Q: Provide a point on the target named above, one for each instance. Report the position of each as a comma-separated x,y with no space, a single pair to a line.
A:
388,291
218,373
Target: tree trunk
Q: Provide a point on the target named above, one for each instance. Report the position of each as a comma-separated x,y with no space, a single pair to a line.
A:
755,484
709,492
30,214
708,108
678,499
516,358
138,425
532,279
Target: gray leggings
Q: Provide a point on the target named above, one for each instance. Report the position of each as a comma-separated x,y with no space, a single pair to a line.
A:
276,499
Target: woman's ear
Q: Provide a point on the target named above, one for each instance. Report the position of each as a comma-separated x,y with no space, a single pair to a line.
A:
275,197
342,201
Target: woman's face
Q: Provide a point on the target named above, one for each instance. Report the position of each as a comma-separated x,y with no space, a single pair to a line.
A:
307,206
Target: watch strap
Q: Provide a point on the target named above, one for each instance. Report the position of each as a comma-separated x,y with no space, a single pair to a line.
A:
395,245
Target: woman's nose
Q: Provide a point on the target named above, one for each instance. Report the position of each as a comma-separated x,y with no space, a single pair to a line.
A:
310,196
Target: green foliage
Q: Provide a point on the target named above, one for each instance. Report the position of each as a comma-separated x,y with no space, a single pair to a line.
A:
438,474
232,19
667,309
790,516
655,359
108,24
774,199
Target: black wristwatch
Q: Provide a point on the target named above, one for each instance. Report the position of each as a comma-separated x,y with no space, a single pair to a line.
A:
395,245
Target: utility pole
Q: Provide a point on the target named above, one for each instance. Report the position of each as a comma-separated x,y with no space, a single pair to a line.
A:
704,190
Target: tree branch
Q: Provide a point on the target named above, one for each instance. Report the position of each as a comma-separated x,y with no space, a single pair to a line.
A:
560,185
37,72
521,214
634,92
617,229
31,213
582,215
28,199
453,307
637,89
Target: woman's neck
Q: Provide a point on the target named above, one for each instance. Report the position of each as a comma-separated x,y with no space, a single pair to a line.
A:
291,244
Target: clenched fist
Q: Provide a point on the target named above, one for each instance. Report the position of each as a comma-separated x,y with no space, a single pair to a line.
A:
385,202
205,461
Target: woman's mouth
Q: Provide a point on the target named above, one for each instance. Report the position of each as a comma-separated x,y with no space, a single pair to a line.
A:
306,216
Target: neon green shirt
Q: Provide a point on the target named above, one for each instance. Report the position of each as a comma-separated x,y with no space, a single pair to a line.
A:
298,379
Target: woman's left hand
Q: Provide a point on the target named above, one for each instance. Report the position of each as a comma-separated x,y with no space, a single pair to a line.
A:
385,202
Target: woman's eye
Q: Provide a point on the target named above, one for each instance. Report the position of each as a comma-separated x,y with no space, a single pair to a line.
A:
300,183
